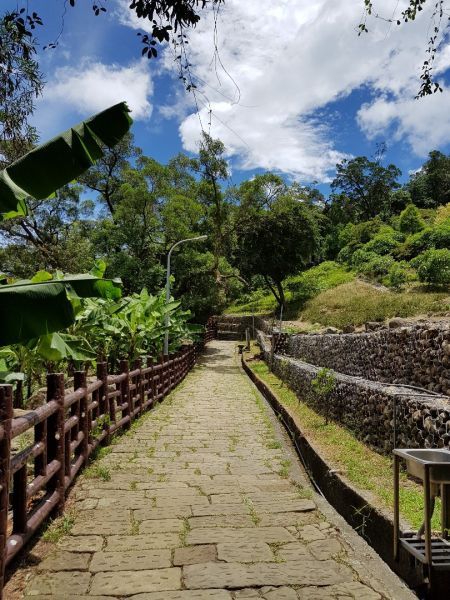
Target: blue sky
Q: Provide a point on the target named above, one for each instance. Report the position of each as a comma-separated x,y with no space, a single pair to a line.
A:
295,90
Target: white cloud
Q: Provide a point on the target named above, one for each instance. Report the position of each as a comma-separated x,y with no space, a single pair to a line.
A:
425,125
294,57
93,87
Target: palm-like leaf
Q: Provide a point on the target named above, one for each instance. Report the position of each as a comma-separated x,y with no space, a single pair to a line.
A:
31,309
42,171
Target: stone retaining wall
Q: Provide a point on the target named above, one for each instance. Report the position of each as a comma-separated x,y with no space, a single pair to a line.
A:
239,323
367,407
416,355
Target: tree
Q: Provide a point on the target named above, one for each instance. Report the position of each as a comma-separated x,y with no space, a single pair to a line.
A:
212,168
20,84
410,220
55,235
430,186
133,239
439,24
366,187
105,177
276,242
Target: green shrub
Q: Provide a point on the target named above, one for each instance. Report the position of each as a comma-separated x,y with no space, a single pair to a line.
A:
433,266
410,220
435,237
377,267
354,235
440,235
415,244
370,263
399,273
362,257
382,243
315,280
346,253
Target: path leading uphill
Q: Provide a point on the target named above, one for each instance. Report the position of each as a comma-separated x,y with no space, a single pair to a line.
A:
206,501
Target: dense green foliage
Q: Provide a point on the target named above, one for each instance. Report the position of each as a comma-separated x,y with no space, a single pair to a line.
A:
369,227
109,328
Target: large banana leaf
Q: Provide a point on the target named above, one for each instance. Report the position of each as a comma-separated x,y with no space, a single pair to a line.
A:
59,346
42,171
29,310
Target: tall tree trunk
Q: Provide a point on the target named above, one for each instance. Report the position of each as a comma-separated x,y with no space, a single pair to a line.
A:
277,290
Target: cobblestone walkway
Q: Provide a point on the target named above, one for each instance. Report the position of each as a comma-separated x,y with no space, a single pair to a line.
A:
201,504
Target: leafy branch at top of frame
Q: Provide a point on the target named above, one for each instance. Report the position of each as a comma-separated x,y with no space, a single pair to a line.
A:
429,85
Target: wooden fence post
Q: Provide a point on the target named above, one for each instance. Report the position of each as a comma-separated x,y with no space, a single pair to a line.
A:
6,415
102,374
56,437
139,385
166,370
79,381
125,391
152,379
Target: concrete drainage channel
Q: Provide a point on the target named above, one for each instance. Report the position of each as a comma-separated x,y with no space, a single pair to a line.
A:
369,522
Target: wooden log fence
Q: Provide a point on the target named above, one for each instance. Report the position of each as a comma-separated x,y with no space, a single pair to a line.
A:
67,429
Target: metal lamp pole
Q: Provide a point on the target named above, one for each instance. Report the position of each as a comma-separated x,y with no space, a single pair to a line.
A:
166,317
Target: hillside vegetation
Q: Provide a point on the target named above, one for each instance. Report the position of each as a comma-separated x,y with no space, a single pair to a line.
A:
329,295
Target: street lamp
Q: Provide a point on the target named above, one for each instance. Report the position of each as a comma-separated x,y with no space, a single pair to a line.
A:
166,317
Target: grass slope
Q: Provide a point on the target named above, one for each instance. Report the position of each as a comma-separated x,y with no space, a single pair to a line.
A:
357,302
364,468
330,295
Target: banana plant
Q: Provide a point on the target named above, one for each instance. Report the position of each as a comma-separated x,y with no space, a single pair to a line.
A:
45,169
33,308
134,326
47,304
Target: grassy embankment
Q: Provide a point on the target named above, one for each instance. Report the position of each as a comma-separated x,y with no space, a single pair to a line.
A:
365,469
331,295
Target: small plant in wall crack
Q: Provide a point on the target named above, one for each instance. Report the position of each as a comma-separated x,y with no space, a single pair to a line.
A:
361,517
323,385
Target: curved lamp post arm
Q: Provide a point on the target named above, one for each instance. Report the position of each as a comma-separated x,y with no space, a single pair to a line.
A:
169,254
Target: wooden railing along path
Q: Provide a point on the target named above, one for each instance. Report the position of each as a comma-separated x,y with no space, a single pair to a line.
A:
66,430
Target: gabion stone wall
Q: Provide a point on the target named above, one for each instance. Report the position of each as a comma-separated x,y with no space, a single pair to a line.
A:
241,322
367,407
416,355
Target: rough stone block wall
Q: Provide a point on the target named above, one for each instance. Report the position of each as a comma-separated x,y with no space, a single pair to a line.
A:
367,407
416,355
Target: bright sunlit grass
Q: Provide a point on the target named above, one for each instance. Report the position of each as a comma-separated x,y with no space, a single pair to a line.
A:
364,468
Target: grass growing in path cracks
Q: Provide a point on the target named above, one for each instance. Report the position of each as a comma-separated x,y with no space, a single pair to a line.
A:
234,439
134,525
285,467
275,547
59,527
96,471
185,529
251,507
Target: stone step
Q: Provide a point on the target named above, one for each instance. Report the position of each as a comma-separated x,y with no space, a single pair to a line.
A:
230,336
225,326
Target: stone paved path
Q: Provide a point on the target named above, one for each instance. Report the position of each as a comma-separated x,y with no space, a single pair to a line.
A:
201,505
